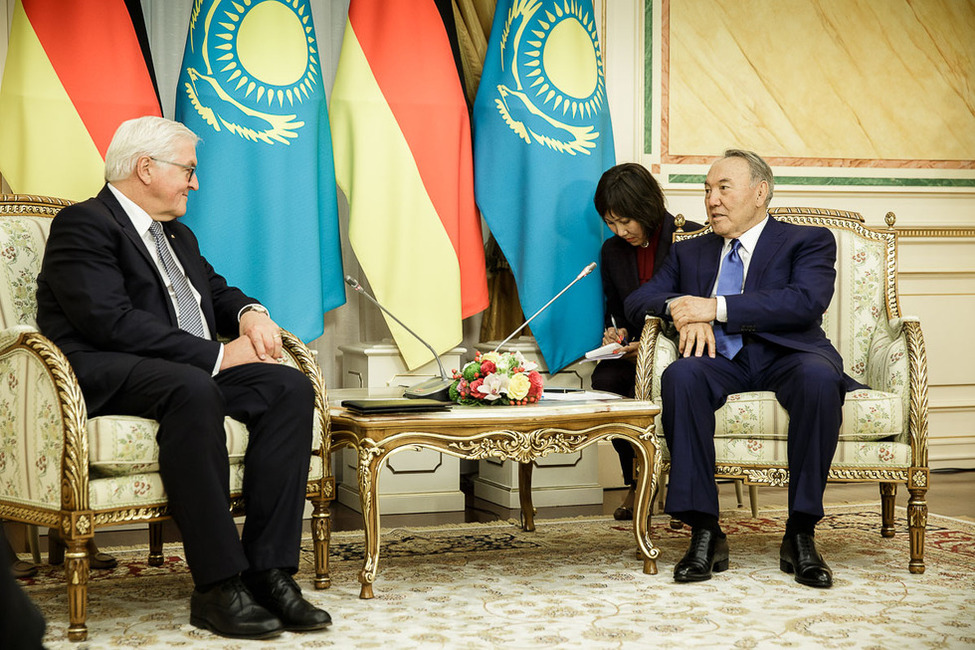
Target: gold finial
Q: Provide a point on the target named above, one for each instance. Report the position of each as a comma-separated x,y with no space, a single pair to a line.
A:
679,221
890,218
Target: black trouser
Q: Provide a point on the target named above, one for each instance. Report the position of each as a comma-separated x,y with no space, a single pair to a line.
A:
276,403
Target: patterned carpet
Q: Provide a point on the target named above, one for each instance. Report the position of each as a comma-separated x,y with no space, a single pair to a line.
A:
574,584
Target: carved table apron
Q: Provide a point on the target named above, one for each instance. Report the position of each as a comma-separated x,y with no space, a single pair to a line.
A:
519,433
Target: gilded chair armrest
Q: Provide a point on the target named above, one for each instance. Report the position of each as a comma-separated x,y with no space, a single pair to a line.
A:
918,413
41,395
657,351
301,357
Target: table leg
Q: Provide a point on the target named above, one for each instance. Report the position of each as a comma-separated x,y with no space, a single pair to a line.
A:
645,494
368,474
525,496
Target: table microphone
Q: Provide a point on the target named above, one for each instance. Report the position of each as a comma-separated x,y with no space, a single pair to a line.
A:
586,271
433,388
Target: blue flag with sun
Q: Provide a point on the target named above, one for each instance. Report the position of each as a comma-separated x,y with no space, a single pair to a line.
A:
266,213
542,139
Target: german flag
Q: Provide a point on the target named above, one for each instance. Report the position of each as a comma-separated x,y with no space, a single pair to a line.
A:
402,141
74,72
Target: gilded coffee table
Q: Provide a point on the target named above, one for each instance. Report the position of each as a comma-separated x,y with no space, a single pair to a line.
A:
519,433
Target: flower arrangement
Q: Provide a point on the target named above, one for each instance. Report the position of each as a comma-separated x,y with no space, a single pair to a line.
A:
501,379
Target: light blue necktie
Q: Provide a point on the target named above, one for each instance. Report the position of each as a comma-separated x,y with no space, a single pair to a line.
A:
729,284
188,311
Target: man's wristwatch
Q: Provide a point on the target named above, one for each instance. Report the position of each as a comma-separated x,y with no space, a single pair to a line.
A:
259,308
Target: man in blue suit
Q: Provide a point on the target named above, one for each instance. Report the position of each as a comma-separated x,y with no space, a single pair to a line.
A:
747,301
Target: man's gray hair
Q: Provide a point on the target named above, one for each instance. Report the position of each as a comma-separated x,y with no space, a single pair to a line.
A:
144,136
759,169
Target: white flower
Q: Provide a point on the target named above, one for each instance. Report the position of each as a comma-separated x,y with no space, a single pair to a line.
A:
524,363
493,386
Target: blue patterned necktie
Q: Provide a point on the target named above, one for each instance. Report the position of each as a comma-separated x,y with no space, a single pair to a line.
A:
188,311
729,284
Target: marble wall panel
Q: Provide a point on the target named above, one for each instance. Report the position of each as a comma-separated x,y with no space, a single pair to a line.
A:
821,82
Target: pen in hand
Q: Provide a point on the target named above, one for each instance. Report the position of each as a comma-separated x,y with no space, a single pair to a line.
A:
619,336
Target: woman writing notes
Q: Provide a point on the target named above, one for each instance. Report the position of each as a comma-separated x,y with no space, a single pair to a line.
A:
630,202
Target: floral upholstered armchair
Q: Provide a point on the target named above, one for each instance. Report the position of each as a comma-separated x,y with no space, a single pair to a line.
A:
60,469
883,438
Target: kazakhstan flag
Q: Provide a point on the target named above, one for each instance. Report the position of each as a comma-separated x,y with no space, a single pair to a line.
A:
266,212
542,139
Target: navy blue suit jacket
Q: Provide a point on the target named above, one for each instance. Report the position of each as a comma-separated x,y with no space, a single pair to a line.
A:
102,300
787,289
620,274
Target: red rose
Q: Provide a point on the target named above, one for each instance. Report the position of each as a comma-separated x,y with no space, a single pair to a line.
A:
535,379
487,367
473,388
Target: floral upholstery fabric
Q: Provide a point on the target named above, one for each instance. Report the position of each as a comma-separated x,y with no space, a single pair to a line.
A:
22,243
752,427
30,431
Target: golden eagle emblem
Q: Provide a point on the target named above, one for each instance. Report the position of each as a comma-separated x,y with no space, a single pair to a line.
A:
251,65
556,87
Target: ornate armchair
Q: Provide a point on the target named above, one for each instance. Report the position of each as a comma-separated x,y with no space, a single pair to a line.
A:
62,470
884,433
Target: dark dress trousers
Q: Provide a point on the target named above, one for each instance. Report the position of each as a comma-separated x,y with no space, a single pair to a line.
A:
102,300
618,267
787,288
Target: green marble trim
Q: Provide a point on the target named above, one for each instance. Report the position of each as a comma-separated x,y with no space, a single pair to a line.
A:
648,76
857,181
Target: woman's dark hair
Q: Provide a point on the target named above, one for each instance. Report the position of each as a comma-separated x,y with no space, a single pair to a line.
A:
629,191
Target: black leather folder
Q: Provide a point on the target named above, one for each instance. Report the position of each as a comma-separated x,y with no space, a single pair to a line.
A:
394,405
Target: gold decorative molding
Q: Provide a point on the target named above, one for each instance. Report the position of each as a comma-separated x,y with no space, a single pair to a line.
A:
936,232
779,477
31,205
918,415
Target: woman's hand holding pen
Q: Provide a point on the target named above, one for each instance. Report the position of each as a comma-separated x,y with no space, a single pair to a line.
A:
615,335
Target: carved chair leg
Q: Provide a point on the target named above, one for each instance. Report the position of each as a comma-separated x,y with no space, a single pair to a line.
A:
739,493
753,499
888,494
917,521
155,543
76,575
321,535
33,543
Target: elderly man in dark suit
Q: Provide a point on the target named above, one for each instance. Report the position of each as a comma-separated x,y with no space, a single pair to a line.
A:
747,301
126,294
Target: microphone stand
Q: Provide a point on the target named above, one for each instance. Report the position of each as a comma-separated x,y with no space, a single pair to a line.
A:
433,388
586,271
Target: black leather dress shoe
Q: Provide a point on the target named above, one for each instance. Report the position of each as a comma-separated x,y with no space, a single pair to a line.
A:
798,555
276,590
708,551
623,513
230,610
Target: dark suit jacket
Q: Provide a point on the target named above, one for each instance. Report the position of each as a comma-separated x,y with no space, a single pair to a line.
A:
787,289
621,277
102,300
